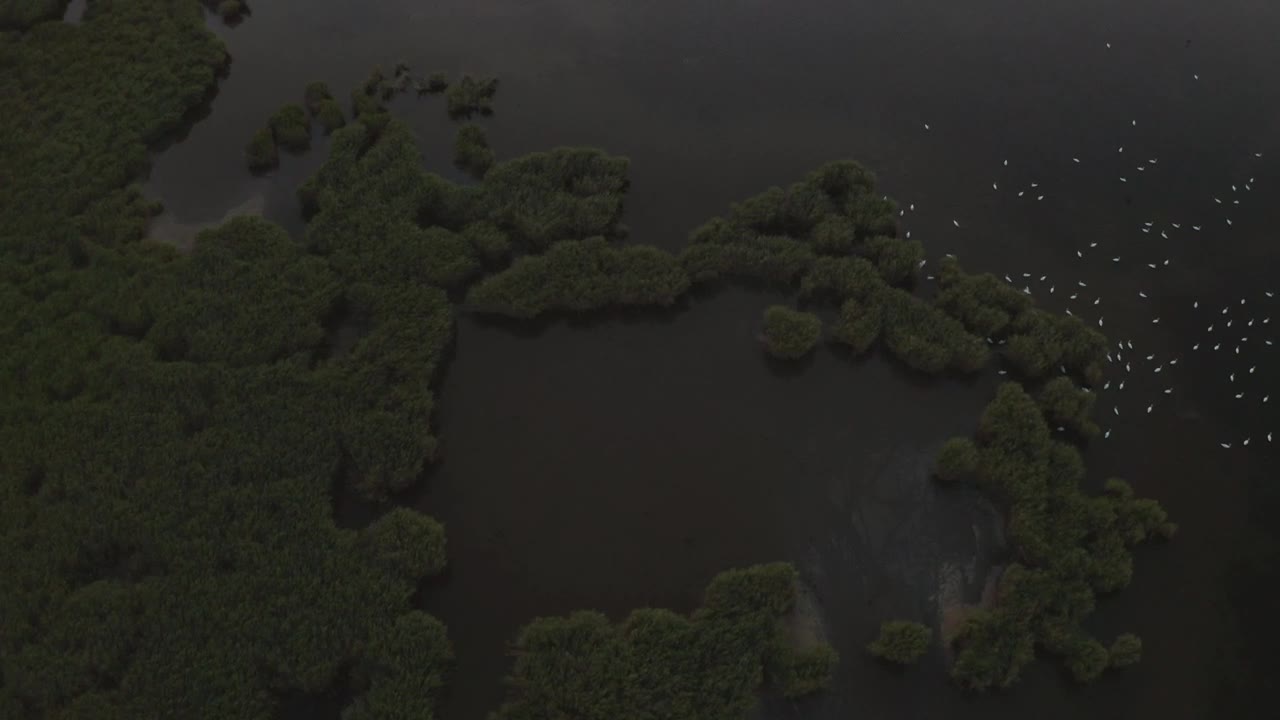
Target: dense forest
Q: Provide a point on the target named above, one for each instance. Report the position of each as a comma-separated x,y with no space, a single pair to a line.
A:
174,427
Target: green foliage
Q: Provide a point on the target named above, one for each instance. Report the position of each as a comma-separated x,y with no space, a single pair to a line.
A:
897,260
291,127
230,9
1066,405
406,544
470,96
958,460
437,82
790,334
841,279
779,260
799,672
657,664
1126,650
1087,660
927,339
22,14
401,670
984,303
489,241
859,325
314,94
261,152
901,641
564,194
471,151
581,275
1070,547
1040,342
329,115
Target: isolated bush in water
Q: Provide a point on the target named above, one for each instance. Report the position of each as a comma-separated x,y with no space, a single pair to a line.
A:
901,641
291,127
1126,650
790,334
329,115
261,152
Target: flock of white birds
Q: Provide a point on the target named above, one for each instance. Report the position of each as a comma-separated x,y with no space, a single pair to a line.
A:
1238,332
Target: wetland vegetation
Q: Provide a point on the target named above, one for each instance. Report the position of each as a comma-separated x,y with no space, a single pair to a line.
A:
173,427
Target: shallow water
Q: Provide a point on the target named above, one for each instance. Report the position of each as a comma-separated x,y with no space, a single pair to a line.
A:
624,464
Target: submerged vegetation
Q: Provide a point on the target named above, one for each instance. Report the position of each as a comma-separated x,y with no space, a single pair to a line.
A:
657,664
173,427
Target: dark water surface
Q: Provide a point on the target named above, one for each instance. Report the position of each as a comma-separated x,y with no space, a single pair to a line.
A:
623,464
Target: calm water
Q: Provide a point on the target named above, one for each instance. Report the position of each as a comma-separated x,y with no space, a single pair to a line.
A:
623,464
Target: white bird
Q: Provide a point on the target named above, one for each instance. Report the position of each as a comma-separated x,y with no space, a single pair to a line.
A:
1106,434
1108,46
1196,228
1099,322
1006,163
1228,221
1195,304
1217,201
1039,197
1168,391
1135,123
995,186
1079,254
956,223
1151,265
1115,259
1081,283
926,126
1123,180
1149,408
1195,77
1255,367
1116,410
1075,159
1226,445
1239,395
1246,441
1021,193
1093,244
1266,398
1141,294
1121,148
1097,300
1196,346
1035,185
1232,376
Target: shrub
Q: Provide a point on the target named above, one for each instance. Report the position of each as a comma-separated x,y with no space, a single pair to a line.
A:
859,325
834,235
261,152
471,151
1126,650
797,672
230,9
407,544
488,240
314,94
470,96
901,641
1087,660
778,260
790,334
958,460
329,115
579,276
927,339
437,82
841,279
897,260
1066,405
291,127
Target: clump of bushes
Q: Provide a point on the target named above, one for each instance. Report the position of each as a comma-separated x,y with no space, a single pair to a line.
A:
291,128
261,152
984,303
927,339
329,115
859,325
1068,406
901,641
489,241
314,94
896,259
1069,547
798,672
471,151
704,666
581,275
790,334
470,96
777,260
958,460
